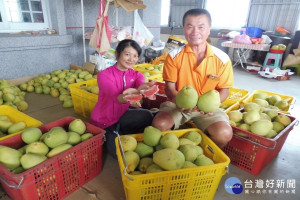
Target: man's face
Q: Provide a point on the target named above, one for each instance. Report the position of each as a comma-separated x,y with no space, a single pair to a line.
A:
196,29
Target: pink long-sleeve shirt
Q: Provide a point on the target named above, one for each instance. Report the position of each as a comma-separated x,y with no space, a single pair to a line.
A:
112,82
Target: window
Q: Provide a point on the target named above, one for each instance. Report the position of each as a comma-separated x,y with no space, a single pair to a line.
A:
20,15
228,14
164,19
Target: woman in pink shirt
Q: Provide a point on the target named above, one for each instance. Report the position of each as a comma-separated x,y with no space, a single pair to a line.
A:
112,112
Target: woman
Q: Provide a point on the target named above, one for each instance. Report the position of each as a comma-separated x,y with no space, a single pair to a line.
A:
112,111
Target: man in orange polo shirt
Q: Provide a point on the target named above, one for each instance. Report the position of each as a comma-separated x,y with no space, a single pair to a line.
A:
205,68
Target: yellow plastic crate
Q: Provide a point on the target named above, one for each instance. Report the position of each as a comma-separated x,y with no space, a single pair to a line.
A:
191,183
237,95
17,116
83,101
157,77
229,105
291,100
146,65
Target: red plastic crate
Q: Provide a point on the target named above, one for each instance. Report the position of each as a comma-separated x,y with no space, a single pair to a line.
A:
255,152
57,177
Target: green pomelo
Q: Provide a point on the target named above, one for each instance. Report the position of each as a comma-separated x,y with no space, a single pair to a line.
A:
260,95
144,164
56,136
77,126
22,105
271,134
251,117
30,160
235,115
273,99
4,117
261,102
10,157
188,164
261,127
144,150
183,141
8,97
159,147
23,149
135,173
199,150
209,102
277,126
86,136
132,160
251,106
194,136
151,136
285,120
74,138
4,125
31,134
38,89
59,149
264,116
232,123
16,127
18,170
128,142
37,148
153,168
272,114
189,151
187,98
282,104
169,159
68,103
244,127
202,160
169,140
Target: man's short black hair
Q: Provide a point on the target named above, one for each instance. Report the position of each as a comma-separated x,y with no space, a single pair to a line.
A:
196,12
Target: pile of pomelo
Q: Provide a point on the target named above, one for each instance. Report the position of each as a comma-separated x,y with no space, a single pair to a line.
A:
162,152
39,147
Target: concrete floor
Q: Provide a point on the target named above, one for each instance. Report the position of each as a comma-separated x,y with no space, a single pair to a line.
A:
108,184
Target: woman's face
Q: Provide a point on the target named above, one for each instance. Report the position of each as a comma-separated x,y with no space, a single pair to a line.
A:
127,59
196,29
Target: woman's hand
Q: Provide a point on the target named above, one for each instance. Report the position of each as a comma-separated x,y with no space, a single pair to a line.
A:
146,85
127,92
131,91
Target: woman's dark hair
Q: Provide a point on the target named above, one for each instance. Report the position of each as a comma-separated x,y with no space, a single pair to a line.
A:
196,12
128,43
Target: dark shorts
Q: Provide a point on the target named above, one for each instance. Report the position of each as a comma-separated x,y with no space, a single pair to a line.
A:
133,121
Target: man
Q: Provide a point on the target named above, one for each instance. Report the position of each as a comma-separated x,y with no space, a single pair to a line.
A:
205,68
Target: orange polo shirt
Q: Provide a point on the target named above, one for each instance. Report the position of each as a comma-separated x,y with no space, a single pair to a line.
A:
214,72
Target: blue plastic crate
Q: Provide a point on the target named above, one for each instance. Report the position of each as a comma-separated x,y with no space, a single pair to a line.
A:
253,32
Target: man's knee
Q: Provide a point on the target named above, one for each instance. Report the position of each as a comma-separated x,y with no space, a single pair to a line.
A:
163,121
220,133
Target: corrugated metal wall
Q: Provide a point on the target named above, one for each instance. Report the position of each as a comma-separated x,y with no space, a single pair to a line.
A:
265,14
179,7
268,14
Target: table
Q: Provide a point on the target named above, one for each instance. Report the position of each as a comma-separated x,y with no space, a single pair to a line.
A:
243,49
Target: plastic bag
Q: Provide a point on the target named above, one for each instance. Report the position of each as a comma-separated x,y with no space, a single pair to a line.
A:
242,39
141,34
